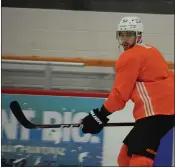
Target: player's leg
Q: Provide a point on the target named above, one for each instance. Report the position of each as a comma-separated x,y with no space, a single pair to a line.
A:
140,161
123,158
142,149
146,139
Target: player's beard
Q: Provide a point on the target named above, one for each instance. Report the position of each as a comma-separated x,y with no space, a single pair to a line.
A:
127,46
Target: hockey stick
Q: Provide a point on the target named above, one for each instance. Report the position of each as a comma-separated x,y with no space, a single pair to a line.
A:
17,111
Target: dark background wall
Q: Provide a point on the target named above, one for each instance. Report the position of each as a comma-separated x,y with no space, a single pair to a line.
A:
128,6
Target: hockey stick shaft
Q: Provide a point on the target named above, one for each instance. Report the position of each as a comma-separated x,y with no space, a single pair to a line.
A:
18,113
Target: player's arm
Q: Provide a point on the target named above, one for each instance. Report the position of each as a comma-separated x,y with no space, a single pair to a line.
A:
127,72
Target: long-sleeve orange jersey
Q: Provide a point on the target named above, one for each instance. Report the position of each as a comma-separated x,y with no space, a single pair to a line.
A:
142,76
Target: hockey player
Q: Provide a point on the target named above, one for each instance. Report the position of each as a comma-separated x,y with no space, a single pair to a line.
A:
142,76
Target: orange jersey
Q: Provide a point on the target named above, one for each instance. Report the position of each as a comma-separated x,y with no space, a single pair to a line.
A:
142,76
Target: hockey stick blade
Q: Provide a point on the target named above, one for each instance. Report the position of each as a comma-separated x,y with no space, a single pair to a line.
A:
17,111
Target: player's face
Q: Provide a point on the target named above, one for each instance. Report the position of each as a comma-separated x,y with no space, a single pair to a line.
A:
127,39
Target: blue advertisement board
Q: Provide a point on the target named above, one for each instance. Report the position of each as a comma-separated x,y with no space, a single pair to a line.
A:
49,147
61,146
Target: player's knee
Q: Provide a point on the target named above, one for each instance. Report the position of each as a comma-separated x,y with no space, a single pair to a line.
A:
123,158
137,160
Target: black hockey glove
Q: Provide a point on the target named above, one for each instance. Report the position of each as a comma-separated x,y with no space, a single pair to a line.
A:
94,122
